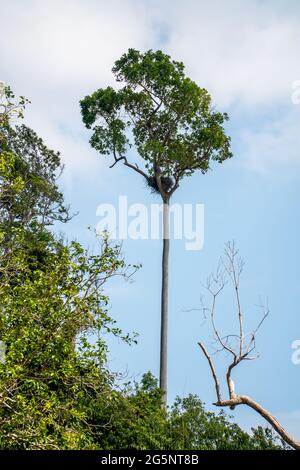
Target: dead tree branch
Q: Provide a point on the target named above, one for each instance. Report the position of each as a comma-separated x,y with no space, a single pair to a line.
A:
232,266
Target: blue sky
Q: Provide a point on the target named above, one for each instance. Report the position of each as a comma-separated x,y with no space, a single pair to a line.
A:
247,55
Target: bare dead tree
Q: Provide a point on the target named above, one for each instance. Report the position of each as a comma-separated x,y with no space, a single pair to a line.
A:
240,347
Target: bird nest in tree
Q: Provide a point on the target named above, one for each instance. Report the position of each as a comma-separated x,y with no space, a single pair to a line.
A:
166,182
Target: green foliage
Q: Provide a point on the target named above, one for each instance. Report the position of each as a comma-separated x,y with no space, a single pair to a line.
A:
131,419
166,115
195,428
11,183
46,382
35,168
52,300
28,171
10,108
134,419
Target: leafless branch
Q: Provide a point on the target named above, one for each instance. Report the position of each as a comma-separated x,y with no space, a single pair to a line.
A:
126,163
233,267
213,371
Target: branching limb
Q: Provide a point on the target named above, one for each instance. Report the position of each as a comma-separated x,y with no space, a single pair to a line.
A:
213,371
245,400
126,163
233,266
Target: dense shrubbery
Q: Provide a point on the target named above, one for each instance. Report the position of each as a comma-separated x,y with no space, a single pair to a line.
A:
134,419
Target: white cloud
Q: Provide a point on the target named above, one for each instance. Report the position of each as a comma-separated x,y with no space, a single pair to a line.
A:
245,53
70,43
54,52
273,146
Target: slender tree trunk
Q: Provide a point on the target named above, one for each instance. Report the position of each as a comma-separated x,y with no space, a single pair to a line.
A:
164,301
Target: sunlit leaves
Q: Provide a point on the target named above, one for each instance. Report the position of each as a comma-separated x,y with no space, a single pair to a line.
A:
164,114
50,310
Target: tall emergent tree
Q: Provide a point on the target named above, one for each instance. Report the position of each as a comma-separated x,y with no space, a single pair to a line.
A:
170,121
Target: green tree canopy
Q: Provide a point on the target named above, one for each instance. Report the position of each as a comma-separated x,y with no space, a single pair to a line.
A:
163,113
